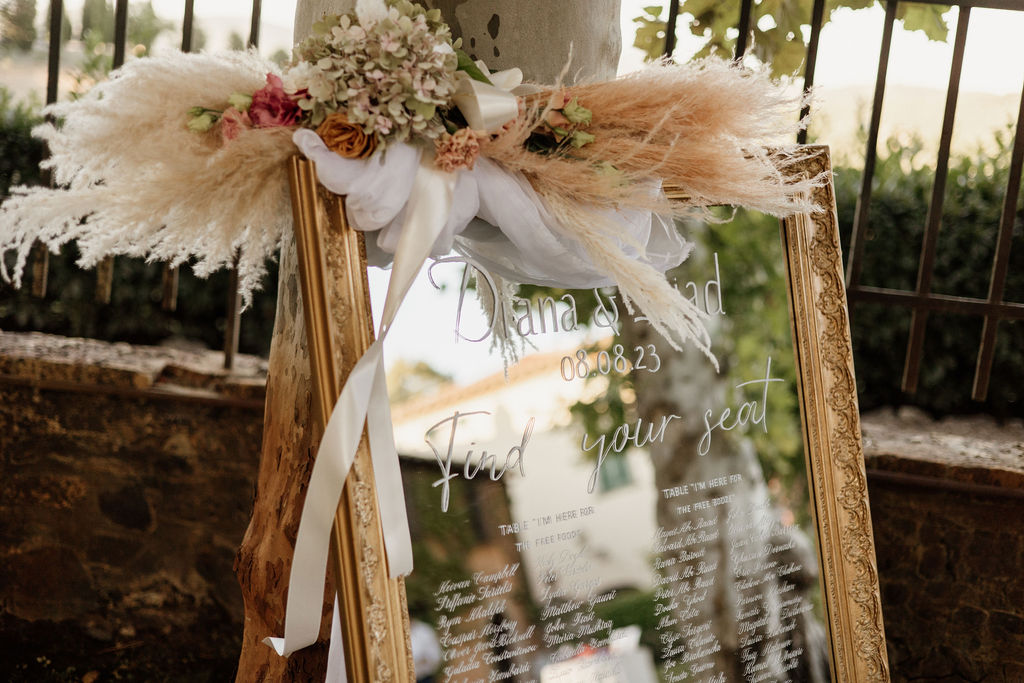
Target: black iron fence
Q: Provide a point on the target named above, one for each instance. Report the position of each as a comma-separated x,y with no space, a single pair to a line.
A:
922,300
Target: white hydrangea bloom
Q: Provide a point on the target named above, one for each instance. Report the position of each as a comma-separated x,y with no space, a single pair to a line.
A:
297,77
369,12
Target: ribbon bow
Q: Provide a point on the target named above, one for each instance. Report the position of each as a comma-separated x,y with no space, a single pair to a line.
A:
489,106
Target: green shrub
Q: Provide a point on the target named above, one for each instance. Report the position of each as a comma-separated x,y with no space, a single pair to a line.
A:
902,189
20,153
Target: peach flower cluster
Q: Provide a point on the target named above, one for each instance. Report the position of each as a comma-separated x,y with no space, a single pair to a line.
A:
456,150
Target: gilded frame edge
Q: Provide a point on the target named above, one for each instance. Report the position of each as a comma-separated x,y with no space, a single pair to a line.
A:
831,426
372,607
828,399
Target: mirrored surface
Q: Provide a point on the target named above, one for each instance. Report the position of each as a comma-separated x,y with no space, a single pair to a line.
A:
605,507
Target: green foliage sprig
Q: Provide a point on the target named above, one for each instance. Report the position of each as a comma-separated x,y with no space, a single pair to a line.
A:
778,27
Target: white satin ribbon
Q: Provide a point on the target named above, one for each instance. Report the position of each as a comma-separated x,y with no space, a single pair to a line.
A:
363,401
488,107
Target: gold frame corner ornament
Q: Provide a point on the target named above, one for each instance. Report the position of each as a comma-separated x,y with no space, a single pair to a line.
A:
374,614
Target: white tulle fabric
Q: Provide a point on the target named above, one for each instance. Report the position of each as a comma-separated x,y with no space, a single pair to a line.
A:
496,218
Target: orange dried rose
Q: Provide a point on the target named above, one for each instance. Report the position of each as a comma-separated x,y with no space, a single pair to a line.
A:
346,138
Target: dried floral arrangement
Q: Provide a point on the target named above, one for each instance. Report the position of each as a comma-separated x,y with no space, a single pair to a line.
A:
204,180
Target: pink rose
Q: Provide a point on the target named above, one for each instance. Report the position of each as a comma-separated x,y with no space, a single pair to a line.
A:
272,107
233,122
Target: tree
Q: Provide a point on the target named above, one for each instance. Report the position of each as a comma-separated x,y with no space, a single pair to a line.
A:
236,41
199,38
17,24
777,27
98,16
142,29
144,25
281,57
406,380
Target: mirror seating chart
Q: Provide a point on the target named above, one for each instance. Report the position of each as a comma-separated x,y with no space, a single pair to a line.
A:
584,499
607,508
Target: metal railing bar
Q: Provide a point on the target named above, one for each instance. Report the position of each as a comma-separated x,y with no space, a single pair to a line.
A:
854,262
926,265
232,319
670,28
169,288
944,303
254,24
104,280
171,276
40,255
105,268
744,28
40,260
53,65
120,32
233,315
1001,261
186,26
817,14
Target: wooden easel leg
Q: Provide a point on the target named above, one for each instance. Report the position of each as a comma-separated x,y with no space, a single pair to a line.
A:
290,437
325,330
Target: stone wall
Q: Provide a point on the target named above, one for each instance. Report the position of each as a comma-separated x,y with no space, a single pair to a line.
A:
947,506
126,483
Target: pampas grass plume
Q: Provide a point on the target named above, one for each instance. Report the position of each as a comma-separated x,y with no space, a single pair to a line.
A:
136,181
720,133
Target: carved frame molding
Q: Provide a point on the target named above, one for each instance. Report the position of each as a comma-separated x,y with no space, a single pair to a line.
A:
831,427
374,616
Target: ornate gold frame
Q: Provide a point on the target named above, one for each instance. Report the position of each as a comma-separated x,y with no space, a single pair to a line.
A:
339,328
831,428
338,322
